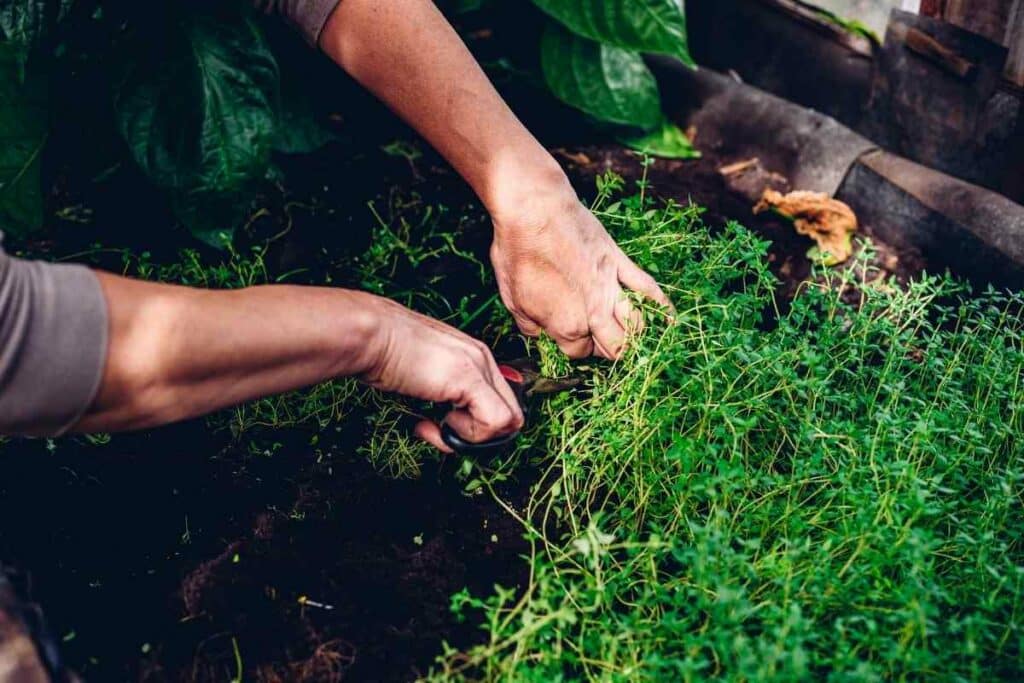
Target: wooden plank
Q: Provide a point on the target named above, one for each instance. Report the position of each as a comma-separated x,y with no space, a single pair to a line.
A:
931,49
1015,41
988,18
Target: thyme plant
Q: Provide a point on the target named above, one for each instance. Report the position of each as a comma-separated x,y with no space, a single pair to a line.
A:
833,492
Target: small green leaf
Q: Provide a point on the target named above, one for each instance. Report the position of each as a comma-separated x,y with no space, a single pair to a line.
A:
668,141
198,111
23,134
638,25
609,83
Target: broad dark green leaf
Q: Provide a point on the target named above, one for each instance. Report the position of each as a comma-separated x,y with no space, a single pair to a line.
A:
198,113
23,133
641,25
609,83
668,141
26,22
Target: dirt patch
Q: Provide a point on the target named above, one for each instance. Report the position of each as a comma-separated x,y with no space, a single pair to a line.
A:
154,564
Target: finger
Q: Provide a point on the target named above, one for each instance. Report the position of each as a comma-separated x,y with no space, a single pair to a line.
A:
608,334
485,414
607,346
569,327
471,429
641,282
500,384
526,325
629,316
504,389
431,433
576,348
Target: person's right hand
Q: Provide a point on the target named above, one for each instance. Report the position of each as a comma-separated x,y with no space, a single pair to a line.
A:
417,356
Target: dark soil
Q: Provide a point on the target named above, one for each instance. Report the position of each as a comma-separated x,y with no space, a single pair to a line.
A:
152,553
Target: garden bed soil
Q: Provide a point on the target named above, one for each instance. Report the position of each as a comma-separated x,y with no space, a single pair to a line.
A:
178,554
158,553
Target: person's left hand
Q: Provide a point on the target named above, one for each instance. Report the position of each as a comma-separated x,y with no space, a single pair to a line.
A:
559,271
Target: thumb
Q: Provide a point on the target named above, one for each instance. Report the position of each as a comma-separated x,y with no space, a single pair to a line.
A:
431,433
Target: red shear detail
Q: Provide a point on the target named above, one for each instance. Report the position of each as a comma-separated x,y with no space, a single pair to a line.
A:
511,374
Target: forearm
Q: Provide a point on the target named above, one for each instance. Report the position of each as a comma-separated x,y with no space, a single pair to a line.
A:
407,54
176,352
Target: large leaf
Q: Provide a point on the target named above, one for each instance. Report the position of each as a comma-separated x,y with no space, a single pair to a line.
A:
607,82
641,25
27,22
667,141
23,133
198,113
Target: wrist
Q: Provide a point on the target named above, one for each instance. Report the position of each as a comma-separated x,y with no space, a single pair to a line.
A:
353,338
523,193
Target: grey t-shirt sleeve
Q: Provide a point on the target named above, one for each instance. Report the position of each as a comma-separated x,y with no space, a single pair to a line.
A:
53,345
308,16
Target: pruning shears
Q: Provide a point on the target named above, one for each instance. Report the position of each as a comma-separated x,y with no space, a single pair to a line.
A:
526,382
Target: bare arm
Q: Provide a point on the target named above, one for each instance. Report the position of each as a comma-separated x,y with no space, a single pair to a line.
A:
557,268
177,352
406,53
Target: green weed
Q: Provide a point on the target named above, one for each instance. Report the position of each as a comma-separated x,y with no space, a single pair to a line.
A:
833,493
415,257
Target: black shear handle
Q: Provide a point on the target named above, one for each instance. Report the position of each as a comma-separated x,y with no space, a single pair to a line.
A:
455,442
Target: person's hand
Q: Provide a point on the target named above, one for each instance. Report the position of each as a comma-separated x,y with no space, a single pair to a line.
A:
417,356
559,271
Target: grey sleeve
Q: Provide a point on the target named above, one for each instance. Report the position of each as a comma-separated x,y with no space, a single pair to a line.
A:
53,345
308,16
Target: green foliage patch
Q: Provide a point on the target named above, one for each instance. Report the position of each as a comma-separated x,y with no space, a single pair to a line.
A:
23,134
605,81
198,96
832,492
637,25
591,58
199,111
195,89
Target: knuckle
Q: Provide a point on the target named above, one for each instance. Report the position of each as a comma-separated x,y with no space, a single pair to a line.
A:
497,422
573,330
574,351
526,326
489,423
466,370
